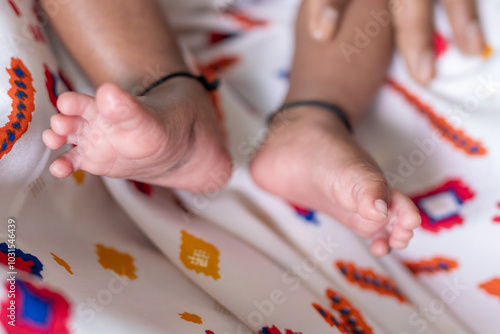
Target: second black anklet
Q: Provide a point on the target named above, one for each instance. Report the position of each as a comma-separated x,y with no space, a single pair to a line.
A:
313,103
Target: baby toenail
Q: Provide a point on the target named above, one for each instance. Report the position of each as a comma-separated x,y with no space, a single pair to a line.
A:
381,207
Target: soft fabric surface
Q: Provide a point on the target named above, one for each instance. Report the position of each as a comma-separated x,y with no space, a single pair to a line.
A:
116,256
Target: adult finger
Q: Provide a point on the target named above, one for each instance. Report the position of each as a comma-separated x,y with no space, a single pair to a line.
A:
413,22
464,21
324,17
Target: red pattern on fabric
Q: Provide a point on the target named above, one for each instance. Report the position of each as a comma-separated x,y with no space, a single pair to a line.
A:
440,44
210,70
37,33
457,138
57,317
21,264
65,80
367,279
211,75
216,37
462,193
300,210
496,219
275,330
306,214
492,287
431,266
14,7
50,83
144,188
245,21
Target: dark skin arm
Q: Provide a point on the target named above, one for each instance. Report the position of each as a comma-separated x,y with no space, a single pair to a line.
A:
321,70
119,41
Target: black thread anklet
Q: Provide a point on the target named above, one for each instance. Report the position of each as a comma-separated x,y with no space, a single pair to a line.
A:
313,103
210,86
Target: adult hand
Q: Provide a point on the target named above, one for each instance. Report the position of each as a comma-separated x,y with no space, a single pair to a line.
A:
414,26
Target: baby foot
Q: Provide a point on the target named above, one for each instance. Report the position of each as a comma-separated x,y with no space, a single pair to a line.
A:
309,158
171,137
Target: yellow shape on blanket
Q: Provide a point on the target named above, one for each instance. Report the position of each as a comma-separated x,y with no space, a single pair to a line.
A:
120,263
492,287
62,263
487,52
191,317
79,176
199,255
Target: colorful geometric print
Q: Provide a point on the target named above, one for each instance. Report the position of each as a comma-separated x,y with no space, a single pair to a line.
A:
284,74
487,52
496,218
492,287
35,29
275,330
199,256
217,65
368,280
51,84
440,44
191,317
65,80
14,7
215,37
434,265
351,317
37,33
307,214
210,72
79,176
62,263
440,207
144,188
24,261
245,22
121,263
22,94
36,310
458,138
341,325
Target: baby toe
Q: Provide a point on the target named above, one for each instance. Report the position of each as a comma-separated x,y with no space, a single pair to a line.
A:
65,164
407,213
371,195
65,125
401,234
398,244
75,104
380,247
52,140
400,237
